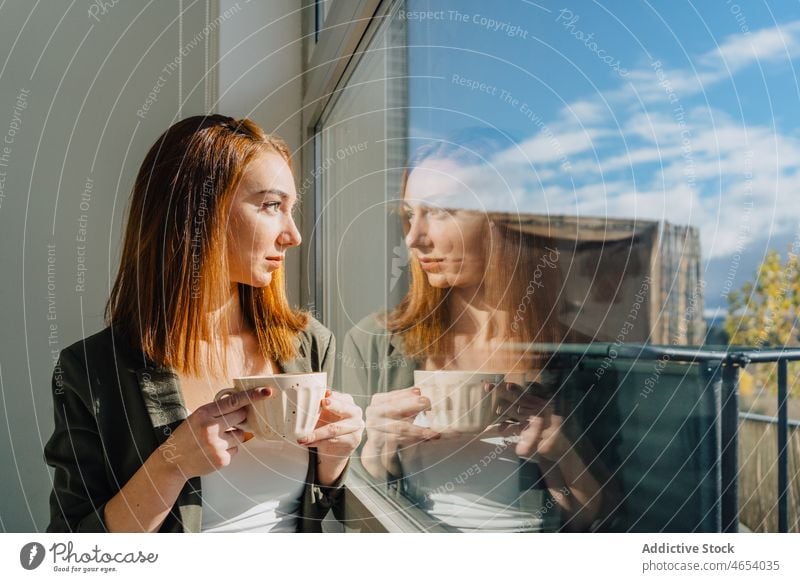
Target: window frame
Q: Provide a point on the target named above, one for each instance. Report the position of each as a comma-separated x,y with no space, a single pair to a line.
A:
348,30
348,26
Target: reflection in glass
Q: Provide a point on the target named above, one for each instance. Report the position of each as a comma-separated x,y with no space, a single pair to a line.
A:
617,173
469,421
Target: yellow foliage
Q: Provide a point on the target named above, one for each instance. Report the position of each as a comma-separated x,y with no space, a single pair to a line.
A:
764,313
746,383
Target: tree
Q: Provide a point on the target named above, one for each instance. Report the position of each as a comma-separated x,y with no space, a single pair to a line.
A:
763,314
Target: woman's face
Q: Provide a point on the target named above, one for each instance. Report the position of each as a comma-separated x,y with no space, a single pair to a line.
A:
449,244
261,226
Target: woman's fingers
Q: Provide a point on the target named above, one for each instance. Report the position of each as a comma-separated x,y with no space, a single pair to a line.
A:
399,403
519,410
237,400
341,405
531,437
340,417
386,397
401,408
543,436
331,432
233,437
405,432
392,414
233,418
515,403
523,411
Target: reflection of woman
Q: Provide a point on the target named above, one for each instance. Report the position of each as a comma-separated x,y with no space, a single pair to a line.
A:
139,443
479,287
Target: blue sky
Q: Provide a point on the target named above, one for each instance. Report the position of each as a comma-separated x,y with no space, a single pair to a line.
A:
677,111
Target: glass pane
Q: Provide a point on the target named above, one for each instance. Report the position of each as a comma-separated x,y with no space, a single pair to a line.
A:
515,198
363,150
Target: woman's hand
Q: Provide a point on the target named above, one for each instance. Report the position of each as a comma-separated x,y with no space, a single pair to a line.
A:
340,427
337,434
390,427
208,439
542,433
548,438
390,418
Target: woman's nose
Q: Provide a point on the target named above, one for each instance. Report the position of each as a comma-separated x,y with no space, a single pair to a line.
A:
290,237
417,234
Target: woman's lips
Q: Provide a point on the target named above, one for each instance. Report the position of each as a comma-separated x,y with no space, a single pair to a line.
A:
275,262
431,264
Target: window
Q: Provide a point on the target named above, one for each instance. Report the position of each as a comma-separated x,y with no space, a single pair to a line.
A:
540,218
360,164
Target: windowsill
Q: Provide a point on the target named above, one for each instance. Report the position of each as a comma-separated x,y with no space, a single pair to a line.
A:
369,510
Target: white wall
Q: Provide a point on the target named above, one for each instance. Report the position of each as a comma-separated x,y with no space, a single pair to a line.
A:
70,91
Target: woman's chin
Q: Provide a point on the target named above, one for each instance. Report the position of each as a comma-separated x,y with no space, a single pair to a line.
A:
447,281
438,280
262,280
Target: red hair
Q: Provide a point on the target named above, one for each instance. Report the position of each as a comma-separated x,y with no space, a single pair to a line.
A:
514,259
173,270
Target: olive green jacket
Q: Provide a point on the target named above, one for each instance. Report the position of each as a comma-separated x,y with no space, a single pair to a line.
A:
373,360
113,408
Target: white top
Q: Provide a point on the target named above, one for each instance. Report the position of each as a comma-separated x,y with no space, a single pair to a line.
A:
260,491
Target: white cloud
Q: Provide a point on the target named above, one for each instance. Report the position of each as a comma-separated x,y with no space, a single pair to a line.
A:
586,111
726,167
632,154
657,83
553,145
768,44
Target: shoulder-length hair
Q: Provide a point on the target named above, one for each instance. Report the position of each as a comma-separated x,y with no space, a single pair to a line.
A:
173,270
522,276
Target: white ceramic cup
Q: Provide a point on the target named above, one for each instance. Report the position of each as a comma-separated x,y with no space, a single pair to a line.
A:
459,402
291,411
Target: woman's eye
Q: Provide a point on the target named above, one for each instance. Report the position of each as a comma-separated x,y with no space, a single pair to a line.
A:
271,206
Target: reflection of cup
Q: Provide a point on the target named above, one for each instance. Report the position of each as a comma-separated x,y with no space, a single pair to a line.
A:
459,401
291,411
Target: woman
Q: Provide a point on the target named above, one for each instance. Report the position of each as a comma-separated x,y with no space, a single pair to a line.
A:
482,289
139,442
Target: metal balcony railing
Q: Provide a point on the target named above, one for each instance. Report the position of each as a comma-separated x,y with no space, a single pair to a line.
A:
714,383
726,363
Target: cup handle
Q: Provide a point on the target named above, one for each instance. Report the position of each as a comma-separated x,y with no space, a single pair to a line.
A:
223,393
227,392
